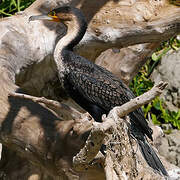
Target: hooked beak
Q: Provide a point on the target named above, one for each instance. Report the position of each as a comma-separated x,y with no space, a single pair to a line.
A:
44,17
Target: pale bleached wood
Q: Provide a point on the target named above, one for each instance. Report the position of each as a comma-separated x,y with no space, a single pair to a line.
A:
83,159
126,62
62,110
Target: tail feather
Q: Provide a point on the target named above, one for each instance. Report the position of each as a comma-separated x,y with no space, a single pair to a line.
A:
139,128
151,157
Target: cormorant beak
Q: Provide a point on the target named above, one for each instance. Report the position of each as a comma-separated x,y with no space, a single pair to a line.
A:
44,17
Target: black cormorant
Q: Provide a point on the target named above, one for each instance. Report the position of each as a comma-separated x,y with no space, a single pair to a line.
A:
92,87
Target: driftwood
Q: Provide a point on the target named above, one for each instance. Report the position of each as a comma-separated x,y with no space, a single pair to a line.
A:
95,139
86,159
126,62
39,140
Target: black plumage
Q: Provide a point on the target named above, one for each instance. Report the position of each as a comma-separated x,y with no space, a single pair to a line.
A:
98,91
94,88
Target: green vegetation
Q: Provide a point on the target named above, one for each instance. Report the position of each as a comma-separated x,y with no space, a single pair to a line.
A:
140,84
9,7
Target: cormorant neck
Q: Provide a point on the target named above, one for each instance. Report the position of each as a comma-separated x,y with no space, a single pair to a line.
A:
76,29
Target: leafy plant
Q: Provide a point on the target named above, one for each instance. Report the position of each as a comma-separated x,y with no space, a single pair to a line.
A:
142,83
160,114
9,7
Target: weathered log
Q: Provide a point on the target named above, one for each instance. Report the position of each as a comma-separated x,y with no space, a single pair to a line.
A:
119,129
111,24
126,62
62,165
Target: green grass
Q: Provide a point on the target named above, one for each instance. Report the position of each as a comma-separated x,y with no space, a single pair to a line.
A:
10,7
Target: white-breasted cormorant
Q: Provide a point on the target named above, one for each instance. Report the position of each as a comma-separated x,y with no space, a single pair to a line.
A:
92,87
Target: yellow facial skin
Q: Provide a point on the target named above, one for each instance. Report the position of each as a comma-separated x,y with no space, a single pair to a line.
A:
54,17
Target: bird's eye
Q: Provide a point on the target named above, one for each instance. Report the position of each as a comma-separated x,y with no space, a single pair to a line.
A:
52,13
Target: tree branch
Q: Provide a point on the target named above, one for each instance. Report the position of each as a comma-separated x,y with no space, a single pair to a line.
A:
84,159
62,110
128,24
94,142
141,100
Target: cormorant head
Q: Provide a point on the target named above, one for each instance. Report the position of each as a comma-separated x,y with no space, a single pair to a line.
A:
72,18
61,14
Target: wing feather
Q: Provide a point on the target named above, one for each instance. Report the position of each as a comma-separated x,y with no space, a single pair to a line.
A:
98,86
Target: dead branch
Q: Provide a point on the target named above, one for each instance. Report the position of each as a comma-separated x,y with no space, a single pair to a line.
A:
93,144
126,20
72,113
109,170
141,100
83,160
144,22
62,110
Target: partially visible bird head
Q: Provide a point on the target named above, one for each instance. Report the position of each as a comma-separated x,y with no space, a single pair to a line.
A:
61,14
72,18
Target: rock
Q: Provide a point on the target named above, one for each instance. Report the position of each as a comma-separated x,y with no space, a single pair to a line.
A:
174,174
169,70
167,127
169,147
